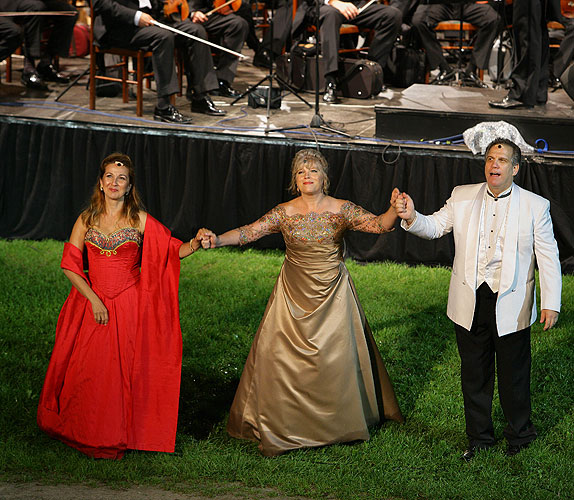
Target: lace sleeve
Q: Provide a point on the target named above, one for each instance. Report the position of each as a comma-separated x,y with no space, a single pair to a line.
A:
360,219
269,223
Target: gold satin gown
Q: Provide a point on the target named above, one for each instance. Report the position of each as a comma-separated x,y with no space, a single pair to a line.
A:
314,375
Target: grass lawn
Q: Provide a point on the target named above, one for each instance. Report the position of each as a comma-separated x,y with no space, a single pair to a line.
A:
223,294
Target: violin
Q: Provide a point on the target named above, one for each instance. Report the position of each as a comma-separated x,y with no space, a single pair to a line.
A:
178,10
224,7
567,8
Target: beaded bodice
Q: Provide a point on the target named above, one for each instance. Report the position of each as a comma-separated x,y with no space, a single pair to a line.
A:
324,227
114,259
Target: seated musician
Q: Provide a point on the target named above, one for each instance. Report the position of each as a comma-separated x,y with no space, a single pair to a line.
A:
129,24
481,15
10,37
34,75
230,30
383,19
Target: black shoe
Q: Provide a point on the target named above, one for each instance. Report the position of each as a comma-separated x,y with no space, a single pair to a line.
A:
508,103
515,449
225,90
206,106
50,74
471,80
554,83
261,59
170,115
471,452
330,95
444,77
33,80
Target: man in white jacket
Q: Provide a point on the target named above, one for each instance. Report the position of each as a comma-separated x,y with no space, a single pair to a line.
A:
500,230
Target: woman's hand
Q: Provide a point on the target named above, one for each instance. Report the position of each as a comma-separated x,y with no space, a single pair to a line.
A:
100,312
207,238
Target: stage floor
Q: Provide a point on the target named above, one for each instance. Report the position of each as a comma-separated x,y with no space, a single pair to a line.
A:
416,115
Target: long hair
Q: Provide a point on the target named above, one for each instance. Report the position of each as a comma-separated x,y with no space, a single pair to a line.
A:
313,156
132,200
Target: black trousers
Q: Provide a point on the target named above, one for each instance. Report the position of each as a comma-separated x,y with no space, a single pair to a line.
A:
198,60
383,19
231,32
426,17
479,349
10,37
161,43
30,25
530,72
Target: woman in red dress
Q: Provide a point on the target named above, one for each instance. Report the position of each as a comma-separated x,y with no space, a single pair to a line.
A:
113,379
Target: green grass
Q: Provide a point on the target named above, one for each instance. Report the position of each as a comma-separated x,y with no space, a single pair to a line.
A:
223,294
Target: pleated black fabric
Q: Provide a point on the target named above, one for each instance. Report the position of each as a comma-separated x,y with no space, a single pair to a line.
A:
192,180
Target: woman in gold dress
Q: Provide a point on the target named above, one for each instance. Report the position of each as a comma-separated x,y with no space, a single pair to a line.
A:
314,375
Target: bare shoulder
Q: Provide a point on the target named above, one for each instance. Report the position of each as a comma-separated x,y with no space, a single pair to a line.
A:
335,204
78,233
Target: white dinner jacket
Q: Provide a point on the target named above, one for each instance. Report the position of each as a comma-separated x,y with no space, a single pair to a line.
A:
528,235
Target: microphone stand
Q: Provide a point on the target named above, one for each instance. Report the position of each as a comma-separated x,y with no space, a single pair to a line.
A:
270,77
318,121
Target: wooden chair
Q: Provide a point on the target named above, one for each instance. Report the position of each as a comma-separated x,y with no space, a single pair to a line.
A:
344,30
139,55
451,39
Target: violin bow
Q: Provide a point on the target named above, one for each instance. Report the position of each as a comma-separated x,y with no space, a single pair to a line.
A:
45,13
193,37
366,5
212,11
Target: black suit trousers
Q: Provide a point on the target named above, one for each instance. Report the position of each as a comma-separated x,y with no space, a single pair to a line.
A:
479,349
530,72
426,18
383,19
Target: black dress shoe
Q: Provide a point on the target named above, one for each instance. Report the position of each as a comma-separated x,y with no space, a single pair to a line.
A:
471,80
206,106
444,77
515,449
554,83
170,115
261,59
508,103
225,90
50,74
471,452
32,80
330,95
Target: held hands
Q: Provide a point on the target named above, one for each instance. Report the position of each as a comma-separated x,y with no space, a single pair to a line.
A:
348,9
404,207
549,318
207,238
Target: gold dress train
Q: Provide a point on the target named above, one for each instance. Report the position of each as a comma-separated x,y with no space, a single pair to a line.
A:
314,375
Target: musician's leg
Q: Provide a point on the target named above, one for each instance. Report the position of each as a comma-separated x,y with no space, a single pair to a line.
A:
232,31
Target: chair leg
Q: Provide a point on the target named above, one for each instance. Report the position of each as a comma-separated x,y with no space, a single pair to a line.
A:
125,94
9,69
140,73
92,78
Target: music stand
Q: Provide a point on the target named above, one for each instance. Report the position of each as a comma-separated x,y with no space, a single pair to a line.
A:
458,71
270,77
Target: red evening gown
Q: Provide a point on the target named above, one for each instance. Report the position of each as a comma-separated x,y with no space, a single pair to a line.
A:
114,387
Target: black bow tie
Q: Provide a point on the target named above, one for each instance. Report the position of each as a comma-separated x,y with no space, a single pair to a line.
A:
496,198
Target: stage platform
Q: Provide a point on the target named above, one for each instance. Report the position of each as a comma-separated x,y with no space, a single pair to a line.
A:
423,112
222,173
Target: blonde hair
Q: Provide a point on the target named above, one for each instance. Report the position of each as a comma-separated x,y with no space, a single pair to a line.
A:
132,201
312,156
